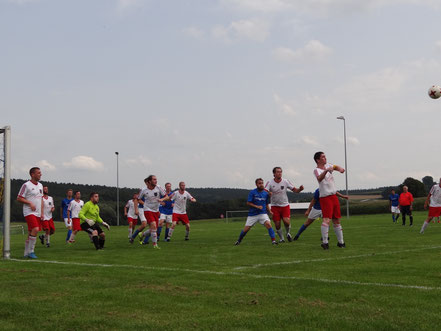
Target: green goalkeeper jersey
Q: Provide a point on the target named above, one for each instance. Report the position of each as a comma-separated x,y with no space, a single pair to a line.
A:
90,211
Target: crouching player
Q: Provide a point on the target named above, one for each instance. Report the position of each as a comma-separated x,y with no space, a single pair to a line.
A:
314,211
90,220
258,201
47,223
433,201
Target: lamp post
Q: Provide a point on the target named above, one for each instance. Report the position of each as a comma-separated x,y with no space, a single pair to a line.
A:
117,188
346,163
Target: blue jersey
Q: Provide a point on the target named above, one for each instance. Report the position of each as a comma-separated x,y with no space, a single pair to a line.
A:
64,204
167,209
317,200
259,198
141,205
394,199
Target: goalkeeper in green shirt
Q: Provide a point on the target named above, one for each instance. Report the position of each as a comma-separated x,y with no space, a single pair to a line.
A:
90,220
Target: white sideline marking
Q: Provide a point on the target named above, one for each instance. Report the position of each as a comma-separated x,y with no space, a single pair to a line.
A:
240,274
254,266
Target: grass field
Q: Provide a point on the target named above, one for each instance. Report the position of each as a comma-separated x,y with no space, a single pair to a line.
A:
388,278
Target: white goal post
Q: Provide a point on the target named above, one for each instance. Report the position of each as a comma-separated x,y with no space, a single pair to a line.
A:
5,188
233,215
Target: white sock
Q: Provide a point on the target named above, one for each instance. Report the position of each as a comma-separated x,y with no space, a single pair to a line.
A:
32,241
154,238
170,232
48,238
280,233
130,232
146,233
26,250
288,229
187,233
72,237
425,225
339,233
325,230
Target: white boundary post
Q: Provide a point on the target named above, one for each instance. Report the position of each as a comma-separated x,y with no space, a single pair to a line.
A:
7,194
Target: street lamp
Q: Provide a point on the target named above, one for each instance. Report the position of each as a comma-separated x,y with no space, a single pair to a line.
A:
117,188
346,163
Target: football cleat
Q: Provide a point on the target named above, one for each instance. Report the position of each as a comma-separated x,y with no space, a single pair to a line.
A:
237,243
41,239
274,242
296,238
131,240
325,246
282,241
343,245
48,245
289,237
186,238
156,247
32,255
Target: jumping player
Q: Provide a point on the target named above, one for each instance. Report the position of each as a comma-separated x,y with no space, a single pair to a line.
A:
179,198
328,198
258,201
63,210
394,205
314,211
433,201
73,212
280,203
90,220
31,196
47,223
131,212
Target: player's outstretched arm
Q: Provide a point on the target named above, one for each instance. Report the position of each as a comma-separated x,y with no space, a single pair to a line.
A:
193,200
339,169
299,189
342,195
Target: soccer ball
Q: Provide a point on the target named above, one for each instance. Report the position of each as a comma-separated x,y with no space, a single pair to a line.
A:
435,92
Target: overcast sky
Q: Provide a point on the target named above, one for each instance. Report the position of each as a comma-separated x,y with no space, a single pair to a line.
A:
217,93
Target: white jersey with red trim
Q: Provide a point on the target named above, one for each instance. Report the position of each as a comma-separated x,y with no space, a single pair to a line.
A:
33,193
435,197
279,198
74,208
48,204
151,198
180,202
130,205
327,185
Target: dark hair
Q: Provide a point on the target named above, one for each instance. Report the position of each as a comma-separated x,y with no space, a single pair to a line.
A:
258,180
92,194
33,169
149,179
317,156
167,184
75,193
275,168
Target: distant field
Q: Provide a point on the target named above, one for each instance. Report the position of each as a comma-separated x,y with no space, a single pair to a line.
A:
388,278
364,196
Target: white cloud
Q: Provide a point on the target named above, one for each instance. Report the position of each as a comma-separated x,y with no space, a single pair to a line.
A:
83,162
310,141
349,140
264,6
314,50
140,160
284,107
291,173
193,32
252,29
46,166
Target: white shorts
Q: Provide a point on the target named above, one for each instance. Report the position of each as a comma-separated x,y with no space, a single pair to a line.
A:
261,218
167,218
395,210
314,214
141,215
66,222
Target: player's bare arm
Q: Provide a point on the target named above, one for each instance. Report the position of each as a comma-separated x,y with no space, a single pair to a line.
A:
254,206
26,202
342,195
299,189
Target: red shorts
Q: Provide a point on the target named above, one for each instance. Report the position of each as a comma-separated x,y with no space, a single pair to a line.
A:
33,222
280,212
434,211
330,207
76,224
176,218
151,217
48,225
133,221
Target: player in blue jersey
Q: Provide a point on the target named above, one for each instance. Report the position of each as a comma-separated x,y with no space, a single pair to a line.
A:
63,210
258,201
394,205
314,211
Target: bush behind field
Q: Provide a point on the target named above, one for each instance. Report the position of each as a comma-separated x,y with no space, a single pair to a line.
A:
375,206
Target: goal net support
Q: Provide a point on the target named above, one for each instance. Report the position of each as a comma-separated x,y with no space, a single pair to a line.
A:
5,189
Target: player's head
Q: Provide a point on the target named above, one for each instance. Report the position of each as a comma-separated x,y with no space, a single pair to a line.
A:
405,189
151,180
277,172
135,195
77,195
320,158
392,191
94,197
168,187
182,186
45,190
69,193
35,173
259,184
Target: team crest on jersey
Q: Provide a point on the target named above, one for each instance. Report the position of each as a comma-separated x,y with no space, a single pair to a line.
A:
185,198
41,191
282,187
156,194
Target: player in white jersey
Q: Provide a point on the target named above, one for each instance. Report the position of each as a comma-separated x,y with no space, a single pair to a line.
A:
31,196
280,203
180,198
433,201
47,224
73,214
328,198
131,212
151,195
